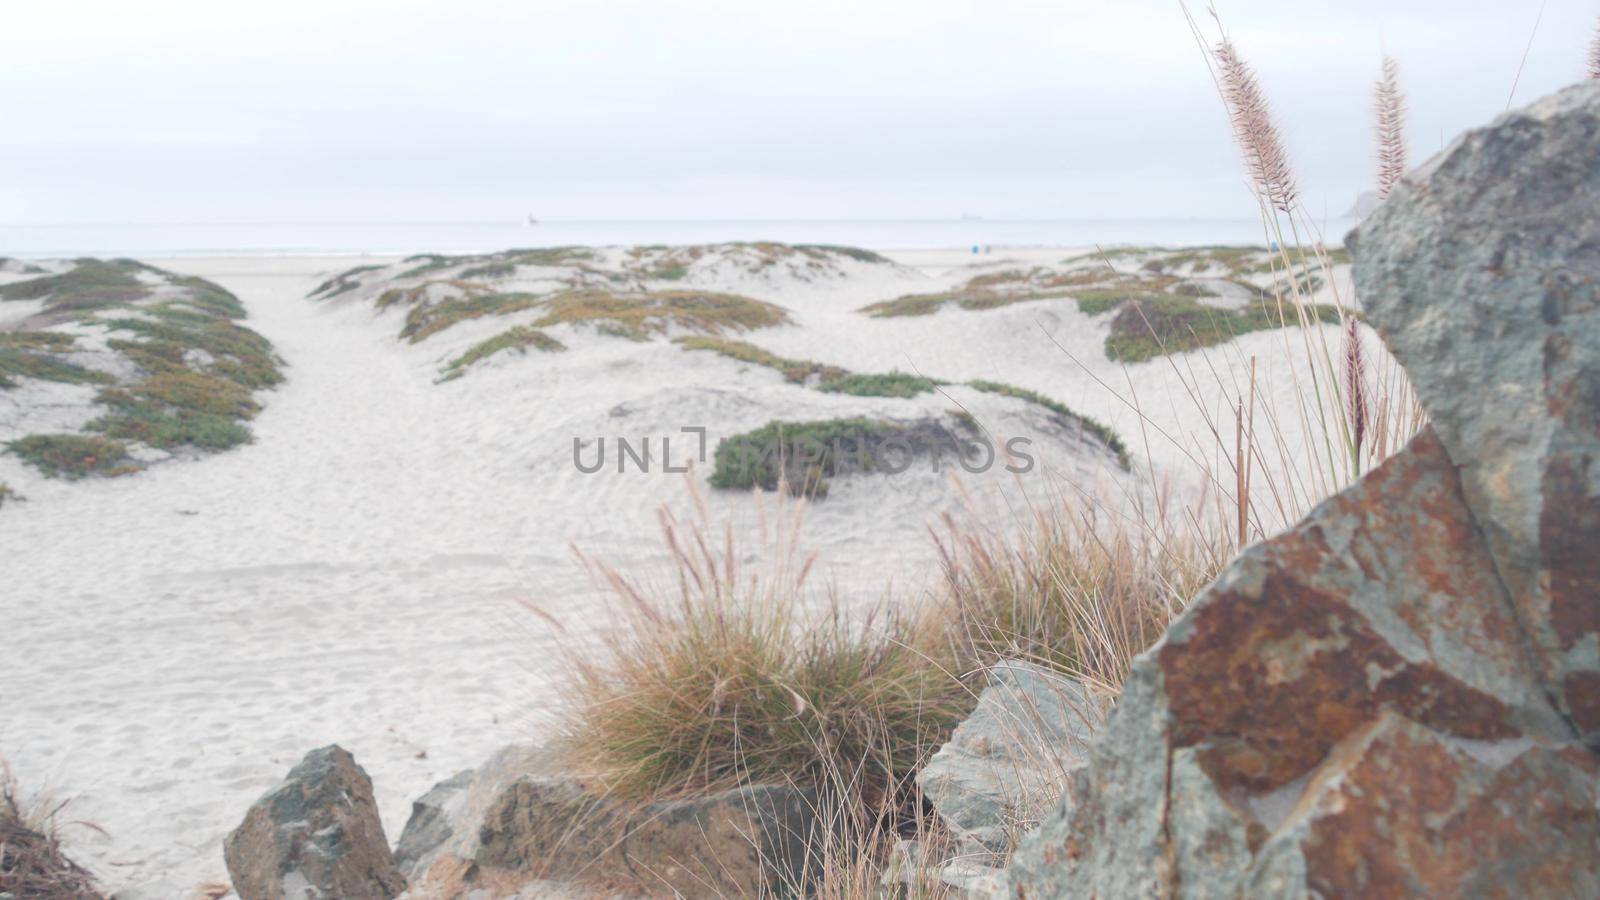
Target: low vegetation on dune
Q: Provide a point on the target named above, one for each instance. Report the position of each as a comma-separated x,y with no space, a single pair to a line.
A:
797,371
802,455
891,384
1157,326
343,282
194,369
1099,430
633,315
72,455
7,494
519,340
504,262
838,380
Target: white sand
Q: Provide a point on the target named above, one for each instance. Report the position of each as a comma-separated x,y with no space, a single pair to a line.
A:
177,639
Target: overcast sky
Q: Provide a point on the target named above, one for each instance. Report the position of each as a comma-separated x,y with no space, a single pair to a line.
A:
345,110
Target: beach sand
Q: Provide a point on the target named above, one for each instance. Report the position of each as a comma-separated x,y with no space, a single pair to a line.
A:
176,640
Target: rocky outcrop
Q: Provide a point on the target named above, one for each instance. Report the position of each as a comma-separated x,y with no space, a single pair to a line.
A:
522,819
316,835
1391,699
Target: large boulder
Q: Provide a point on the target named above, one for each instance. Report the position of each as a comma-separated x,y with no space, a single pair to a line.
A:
317,835
1482,271
1348,709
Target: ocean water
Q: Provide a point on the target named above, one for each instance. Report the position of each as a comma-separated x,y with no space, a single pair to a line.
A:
348,239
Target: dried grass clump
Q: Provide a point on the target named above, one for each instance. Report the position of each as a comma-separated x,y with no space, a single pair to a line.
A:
31,861
739,678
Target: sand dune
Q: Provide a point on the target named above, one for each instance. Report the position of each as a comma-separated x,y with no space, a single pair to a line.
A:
179,637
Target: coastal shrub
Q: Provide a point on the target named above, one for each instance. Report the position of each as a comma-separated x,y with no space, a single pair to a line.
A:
519,339
6,493
1100,430
1161,324
69,455
802,455
798,371
892,384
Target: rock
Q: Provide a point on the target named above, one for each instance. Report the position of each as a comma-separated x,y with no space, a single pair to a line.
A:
316,835
1398,810
1381,701
432,822
1482,273
1009,760
522,819
746,841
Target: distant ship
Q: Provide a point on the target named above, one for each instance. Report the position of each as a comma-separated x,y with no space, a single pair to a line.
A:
532,220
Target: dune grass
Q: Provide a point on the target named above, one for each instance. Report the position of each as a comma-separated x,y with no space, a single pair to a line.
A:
70,455
636,316
736,680
519,339
1098,429
1155,326
91,284
343,282
797,371
890,384
16,363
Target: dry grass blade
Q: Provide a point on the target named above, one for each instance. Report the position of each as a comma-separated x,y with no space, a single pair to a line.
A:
1389,111
1265,159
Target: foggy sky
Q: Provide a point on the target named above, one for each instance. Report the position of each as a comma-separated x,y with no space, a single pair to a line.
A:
346,110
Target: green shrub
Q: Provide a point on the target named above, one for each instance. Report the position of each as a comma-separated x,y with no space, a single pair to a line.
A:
69,455
801,454
342,282
855,253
